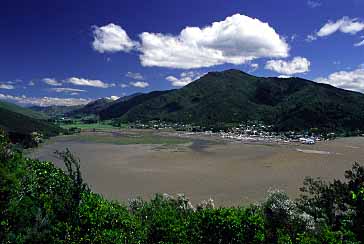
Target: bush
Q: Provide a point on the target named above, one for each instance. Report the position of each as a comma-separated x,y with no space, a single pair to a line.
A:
227,225
164,219
102,221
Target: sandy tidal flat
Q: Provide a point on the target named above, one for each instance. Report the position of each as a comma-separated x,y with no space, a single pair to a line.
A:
230,173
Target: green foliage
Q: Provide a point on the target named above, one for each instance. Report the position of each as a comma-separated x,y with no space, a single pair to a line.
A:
339,204
102,221
24,111
20,127
164,221
228,225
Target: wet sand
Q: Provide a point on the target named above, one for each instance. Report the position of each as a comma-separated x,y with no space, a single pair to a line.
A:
230,173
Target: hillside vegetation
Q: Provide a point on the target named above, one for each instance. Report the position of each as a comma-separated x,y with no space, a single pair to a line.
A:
24,111
122,106
42,204
98,106
92,108
234,96
20,127
55,111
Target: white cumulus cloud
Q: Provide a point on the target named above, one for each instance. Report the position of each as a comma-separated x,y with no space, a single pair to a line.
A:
253,67
135,76
311,38
235,40
114,98
86,82
295,66
359,44
344,25
52,82
350,80
67,90
6,86
184,79
139,84
313,4
111,38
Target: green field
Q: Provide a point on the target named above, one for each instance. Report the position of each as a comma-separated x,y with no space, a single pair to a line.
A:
101,126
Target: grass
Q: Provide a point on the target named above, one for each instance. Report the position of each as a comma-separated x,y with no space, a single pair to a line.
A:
83,126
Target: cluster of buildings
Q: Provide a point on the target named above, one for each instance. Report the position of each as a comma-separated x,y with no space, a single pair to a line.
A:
253,131
260,133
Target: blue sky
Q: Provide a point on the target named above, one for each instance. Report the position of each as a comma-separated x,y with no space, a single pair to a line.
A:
70,52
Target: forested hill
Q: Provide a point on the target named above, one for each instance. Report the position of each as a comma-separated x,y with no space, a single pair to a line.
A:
234,96
24,111
20,123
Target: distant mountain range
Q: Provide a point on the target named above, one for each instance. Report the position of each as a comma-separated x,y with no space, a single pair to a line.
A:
55,111
235,96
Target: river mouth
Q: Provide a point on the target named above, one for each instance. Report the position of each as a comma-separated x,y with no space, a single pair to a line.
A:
230,173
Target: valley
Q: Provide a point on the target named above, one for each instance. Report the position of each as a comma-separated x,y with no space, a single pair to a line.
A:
128,163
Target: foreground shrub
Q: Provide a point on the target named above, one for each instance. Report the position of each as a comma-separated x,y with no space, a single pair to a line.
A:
339,205
227,225
102,221
164,219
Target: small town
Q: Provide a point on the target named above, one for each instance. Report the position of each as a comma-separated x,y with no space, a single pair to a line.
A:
250,132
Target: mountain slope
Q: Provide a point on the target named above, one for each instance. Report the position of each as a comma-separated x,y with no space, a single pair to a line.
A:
122,105
234,96
92,108
95,107
15,122
55,111
126,98
25,111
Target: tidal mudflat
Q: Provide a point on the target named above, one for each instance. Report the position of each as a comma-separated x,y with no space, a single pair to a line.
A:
131,164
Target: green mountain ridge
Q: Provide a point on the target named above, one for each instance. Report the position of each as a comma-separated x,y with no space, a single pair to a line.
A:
14,122
21,110
122,106
93,107
19,123
235,96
